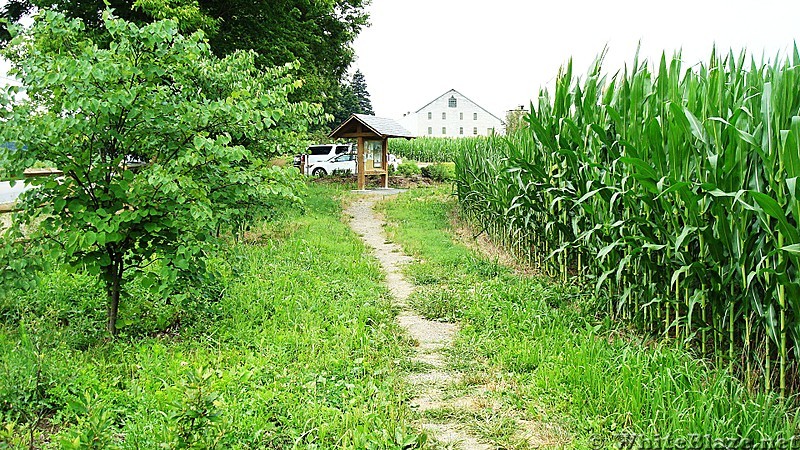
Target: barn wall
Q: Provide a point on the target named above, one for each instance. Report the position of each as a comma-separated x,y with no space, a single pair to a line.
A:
455,118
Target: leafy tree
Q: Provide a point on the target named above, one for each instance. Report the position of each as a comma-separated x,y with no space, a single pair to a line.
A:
316,33
144,128
359,86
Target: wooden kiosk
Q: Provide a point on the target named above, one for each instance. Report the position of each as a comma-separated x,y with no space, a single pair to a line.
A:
373,134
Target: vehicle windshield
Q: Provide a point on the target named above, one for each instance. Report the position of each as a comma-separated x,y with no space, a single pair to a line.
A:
342,158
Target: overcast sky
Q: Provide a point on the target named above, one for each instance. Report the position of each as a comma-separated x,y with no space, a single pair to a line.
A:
499,53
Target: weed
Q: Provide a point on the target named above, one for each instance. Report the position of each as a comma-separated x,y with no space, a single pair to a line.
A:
439,171
408,168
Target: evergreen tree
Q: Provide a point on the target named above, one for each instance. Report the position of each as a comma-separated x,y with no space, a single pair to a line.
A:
359,87
352,98
347,104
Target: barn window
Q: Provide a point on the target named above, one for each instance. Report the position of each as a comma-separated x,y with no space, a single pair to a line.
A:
444,130
460,116
460,130
430,115
474,116
430,130
444,116
452,102
475,131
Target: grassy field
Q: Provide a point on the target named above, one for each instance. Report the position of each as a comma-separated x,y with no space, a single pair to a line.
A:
293,346
590,382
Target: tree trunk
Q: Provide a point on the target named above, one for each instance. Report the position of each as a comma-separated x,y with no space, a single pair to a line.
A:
114,287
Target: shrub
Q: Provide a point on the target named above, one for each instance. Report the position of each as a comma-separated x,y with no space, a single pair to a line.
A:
193,178
439,171
342,173
408,168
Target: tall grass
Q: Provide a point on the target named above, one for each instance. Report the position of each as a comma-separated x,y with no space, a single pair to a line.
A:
672,191
428,149
293,345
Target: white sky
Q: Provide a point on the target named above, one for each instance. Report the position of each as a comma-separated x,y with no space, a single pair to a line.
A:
499,53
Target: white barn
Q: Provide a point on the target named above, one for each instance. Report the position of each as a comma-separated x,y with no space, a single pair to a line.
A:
452,115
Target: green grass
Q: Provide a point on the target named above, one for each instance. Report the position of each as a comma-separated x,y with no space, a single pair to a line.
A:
293,344
294,347
557,364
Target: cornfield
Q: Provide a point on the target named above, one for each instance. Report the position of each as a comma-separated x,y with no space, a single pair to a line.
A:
672,192
428,149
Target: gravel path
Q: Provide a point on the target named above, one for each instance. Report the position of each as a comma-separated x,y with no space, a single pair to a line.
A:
432,337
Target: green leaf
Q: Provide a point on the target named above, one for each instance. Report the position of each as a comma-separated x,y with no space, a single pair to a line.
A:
606,250
790,153
769,205
89,238
640,166
685,233
696,126
793,249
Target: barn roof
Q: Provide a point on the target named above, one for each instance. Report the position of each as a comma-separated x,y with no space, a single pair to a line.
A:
382,127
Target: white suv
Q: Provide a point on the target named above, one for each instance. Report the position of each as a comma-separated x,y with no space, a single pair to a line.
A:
343,163
320,153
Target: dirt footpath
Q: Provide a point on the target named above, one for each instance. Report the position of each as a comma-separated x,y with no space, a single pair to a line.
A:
432,337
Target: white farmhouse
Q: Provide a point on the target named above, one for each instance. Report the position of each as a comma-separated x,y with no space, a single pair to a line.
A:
452,115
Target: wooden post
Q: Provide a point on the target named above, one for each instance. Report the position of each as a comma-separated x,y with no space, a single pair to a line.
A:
385,164
360,164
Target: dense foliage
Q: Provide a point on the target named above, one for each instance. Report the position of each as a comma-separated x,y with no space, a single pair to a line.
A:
317,34
272,355
148,132
429,149
439,171
407,169
586,382
673,192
